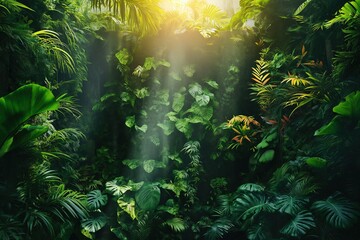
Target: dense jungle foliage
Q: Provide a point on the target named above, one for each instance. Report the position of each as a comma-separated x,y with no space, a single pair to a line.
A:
130,119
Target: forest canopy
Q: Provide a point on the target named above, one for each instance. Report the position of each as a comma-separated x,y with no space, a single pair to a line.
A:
193,119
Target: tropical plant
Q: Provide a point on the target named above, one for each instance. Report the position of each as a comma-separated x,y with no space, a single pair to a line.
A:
142,16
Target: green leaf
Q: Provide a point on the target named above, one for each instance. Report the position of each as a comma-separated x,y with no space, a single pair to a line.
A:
336,126
115,189
182,125
149,165
178,102
290,204
96,199
213,84
316,162
128,207
123,57
168,127
350,107
143,128
252,187
206,112
94,224
28,133
195,89
17,107
202,100
267,156
176,224
189,70
148,197
130,121
142,92
132,163
253,204
338,211
299,225
118,233
149,63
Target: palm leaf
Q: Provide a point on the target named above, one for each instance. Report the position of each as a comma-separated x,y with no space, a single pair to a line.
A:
176,224
338,211
302,7
299,225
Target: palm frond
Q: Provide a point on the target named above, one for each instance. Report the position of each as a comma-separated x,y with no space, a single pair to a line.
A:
66,203
176,224
338,211
302,7
51,42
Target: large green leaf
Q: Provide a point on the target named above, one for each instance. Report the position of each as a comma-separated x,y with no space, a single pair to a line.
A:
350,107
149,165
267,156
96,199
178,102
338,211
336,126
299,225
148,197
17,107
94,223
290,204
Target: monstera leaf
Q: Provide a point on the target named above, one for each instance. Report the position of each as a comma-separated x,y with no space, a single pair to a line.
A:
17,107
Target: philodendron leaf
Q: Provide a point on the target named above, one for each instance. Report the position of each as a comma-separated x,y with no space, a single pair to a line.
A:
148,197
316,162
17,107
202,100
350,107
130,121
267,156
128,207
149,165
178,102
